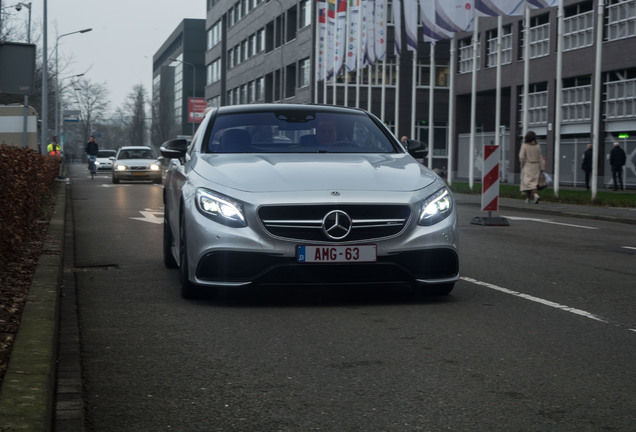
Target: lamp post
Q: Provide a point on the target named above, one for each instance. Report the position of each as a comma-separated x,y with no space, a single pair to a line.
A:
61,123
57,70
194,76
18,7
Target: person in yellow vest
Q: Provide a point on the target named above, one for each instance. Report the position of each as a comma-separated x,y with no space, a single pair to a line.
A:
53,148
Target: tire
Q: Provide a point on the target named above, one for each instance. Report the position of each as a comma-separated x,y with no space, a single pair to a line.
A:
157,181
115,180
188,289
168,258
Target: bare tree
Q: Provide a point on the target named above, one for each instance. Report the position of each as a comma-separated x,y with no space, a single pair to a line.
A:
135,107
91,99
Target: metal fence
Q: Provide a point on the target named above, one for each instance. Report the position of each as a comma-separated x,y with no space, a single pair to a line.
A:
572,149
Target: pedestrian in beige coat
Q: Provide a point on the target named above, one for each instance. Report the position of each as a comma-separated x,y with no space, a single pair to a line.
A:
530,159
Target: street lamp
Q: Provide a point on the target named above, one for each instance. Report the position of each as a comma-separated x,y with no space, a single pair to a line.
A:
194,76
59,138
57,70
18,7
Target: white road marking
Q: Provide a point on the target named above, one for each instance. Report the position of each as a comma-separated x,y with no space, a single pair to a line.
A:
629,247
548,221
541,301
152,216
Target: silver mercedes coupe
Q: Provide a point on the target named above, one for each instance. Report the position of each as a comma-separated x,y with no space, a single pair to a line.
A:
282,194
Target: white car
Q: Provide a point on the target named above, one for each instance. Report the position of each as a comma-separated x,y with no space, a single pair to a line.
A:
136,163
277,194
104,160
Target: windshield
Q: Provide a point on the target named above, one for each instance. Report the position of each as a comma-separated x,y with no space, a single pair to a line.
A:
106,153
296,131
136,154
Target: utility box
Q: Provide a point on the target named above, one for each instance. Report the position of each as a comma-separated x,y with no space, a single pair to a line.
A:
12,126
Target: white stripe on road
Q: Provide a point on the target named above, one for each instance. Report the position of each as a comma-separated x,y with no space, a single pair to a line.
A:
629,247
548,221
540,300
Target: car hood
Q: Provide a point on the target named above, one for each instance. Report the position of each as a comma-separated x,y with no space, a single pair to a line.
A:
136,162
306,172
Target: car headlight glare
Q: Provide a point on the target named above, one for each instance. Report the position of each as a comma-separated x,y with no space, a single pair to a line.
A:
121,167
220,208
154,167
436,207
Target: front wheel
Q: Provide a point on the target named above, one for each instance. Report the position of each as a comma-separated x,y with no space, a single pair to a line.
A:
168,258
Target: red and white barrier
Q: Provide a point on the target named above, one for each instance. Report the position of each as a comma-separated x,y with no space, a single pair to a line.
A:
490,179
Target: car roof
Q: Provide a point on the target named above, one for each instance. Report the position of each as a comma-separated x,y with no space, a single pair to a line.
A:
283,107
135,148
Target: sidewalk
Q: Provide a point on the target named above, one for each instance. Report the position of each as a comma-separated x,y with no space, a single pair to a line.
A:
42,388
611,214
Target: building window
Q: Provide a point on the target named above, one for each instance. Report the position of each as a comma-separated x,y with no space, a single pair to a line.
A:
424,75
214,71
578,26
621,19
260,40
244,50
214,34
466,55
304,71
577,100
537,105
230,17
252,43
215,102
506,46
230,58
304,15
620,100
260,89
539,37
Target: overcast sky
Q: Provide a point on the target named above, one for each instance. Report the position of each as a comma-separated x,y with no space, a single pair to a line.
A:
125,36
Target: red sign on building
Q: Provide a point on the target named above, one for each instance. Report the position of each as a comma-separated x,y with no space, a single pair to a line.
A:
196,109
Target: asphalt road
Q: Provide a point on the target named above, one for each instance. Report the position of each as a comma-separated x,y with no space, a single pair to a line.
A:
538,335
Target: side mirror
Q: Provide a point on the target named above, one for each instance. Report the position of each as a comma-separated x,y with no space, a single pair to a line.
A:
174,149
417,149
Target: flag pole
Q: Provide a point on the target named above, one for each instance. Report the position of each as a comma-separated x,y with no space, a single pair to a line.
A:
526,71
358,59
596,117
557,101
431,104
414,94
451,111
473,108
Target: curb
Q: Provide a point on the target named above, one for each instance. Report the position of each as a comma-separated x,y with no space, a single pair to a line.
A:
27,394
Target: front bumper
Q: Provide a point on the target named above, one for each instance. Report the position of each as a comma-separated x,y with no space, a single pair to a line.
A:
230,268
137,175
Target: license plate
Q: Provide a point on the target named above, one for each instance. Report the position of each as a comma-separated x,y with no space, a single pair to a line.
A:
140,173
336,254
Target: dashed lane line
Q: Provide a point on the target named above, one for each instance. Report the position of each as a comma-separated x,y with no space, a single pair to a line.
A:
541,301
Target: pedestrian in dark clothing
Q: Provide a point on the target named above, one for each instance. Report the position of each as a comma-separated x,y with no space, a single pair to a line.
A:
617,160
587,165
91,150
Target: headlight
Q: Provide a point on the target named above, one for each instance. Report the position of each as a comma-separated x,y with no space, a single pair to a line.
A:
436,207
121,167
154,167
220,208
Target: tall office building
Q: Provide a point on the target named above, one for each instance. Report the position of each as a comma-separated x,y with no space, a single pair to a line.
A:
178,75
